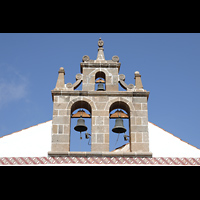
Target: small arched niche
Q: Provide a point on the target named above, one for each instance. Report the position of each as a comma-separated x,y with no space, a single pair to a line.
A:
83,109
100,77
118,109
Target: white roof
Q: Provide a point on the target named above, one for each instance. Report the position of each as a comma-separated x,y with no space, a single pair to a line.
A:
165,144
35,141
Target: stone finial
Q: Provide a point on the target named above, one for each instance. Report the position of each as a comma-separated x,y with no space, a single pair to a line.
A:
115,59
85,58
61,80
100,55
138,81
100,43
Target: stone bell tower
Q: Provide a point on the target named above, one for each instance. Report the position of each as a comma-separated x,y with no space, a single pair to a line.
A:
100,103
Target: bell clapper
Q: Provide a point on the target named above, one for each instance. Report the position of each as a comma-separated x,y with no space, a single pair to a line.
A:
80,136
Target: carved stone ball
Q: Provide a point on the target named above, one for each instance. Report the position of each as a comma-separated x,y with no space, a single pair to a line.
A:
61,70
78,76
122,77
85,58
115,59
69,85
137,72
100,43
130,86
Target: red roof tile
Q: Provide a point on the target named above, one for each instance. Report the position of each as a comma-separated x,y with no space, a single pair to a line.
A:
98,160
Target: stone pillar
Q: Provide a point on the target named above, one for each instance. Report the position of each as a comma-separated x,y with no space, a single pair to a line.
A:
138,81
61,79
139,137
61,124
100,125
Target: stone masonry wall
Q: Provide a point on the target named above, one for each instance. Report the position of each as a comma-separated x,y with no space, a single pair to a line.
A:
100,106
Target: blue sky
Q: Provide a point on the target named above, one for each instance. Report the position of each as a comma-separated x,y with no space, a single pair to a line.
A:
168,62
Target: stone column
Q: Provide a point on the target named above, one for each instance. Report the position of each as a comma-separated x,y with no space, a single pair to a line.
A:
139,137
61,124
138,81
100,126
61,79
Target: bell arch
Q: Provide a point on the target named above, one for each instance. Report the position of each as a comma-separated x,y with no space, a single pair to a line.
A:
80,108
120,105
119,109
81,104
100,81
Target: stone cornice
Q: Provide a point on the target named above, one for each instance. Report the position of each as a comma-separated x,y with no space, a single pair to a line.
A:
100,154
100,93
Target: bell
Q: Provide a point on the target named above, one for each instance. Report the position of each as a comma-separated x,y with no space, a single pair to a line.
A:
119,126
80,127
100,87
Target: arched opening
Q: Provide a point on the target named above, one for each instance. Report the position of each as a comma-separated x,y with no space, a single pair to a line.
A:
122,110
78,141
100,78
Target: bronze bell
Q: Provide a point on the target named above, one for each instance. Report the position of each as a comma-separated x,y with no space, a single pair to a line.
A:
100,87
119,126
80,127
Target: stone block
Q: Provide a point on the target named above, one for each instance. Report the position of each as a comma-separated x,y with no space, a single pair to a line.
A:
146,137
60,119
100,99
145,121
138,106
115,80
139,100
60,129
99,120
66,99
140,113
62,112
93,138
54,129
56,99
113,71
132,137
138,121
87,71
88,87
99,147
60,138
106,121
132,121
100,113
60,105
100,129
106,136
144,106
109,79
100,138
138,137
139,128
139,147
111,87
60,147
55,112
100,105
66,129
91,80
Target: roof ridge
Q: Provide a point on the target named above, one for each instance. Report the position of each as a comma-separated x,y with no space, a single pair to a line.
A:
25,129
